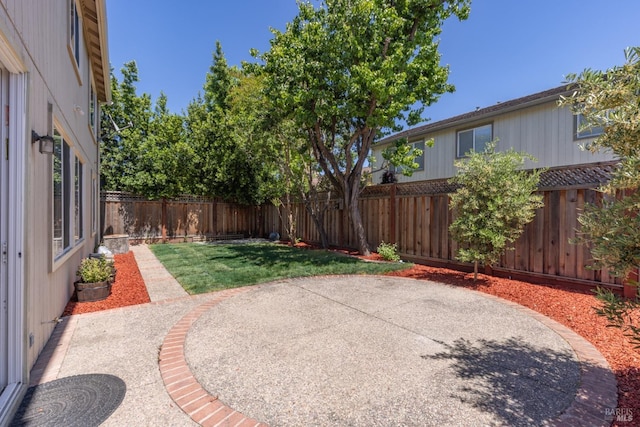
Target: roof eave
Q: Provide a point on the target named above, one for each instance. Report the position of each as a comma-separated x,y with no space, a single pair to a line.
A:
94,14
481,114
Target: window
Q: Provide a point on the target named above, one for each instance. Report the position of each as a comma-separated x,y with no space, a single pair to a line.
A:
93,111
94,187
77,223
419,159
61,195
74,31
583,130
68,188
474,139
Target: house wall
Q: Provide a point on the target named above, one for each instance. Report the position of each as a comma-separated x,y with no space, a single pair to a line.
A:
544,131
38,32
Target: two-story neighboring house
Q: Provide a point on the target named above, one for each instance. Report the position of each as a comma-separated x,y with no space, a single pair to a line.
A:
54,74
533,124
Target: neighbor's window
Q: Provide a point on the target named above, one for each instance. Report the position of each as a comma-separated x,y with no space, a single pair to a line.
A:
61,195
77,223
74,31
419,159
474,139
583,130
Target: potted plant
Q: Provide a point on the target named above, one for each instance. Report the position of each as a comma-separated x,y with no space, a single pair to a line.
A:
95,276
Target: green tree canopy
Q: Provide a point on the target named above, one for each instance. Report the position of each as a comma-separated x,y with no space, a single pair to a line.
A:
233,153
143,149
348,69
493,204
611,99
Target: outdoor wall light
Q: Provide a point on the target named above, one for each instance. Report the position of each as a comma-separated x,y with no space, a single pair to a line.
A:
46,142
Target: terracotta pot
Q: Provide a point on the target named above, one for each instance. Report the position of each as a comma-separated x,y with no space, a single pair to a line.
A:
92,291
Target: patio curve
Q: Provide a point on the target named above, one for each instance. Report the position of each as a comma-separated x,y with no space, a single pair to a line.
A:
365,350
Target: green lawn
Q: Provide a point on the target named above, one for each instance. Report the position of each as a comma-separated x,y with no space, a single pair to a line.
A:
204,268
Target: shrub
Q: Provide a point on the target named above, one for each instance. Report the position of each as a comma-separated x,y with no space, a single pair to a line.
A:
93,270
494,202
388,251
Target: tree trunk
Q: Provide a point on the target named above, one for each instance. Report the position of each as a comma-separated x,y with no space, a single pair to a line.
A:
475,271
317,215
352,192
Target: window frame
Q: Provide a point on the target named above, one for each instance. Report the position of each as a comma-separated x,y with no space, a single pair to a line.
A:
78,200
60,194
419,159
74,37
586,133
473,128
67,197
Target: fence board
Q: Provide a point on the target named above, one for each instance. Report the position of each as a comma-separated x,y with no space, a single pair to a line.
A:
417,222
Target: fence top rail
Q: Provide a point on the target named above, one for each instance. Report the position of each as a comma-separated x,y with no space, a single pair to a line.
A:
586,176
123,196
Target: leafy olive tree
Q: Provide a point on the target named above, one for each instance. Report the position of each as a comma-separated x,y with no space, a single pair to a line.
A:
494,202
347,69
611,100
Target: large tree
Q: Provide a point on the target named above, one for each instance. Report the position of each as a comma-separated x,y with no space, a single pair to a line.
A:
143,149
610,100
348,69
232,150
124,124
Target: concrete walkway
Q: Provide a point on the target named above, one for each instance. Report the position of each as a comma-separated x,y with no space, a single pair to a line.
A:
352,350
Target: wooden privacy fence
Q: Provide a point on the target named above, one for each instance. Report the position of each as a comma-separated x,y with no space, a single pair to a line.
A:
186,218
416,216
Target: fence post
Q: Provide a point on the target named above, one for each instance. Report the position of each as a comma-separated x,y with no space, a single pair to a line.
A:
164,220
392,214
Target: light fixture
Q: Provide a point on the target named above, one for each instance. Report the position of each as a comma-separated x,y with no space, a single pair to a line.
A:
46,142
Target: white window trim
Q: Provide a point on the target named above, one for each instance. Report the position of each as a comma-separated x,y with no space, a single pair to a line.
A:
75,45
586,133
60,258
474,128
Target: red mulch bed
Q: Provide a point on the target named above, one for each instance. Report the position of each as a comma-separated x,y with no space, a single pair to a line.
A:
127,289
572,308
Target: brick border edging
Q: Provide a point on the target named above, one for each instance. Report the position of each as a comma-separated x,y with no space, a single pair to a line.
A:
598,390
182,386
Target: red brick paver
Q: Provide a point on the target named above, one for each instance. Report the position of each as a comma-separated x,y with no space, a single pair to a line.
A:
182,386
597,392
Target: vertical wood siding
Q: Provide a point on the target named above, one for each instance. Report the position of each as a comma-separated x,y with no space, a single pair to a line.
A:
37,31
545,131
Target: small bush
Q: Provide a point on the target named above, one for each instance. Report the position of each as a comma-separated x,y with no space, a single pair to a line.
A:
94,270
388,251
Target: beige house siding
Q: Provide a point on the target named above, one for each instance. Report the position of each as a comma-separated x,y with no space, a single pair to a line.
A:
57,93
542,130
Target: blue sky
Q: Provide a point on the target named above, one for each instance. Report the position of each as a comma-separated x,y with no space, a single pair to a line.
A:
506,49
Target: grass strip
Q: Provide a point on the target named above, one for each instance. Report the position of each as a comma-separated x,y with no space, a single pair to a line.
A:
201,268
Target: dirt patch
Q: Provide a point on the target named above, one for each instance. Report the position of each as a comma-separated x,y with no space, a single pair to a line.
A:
127,289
